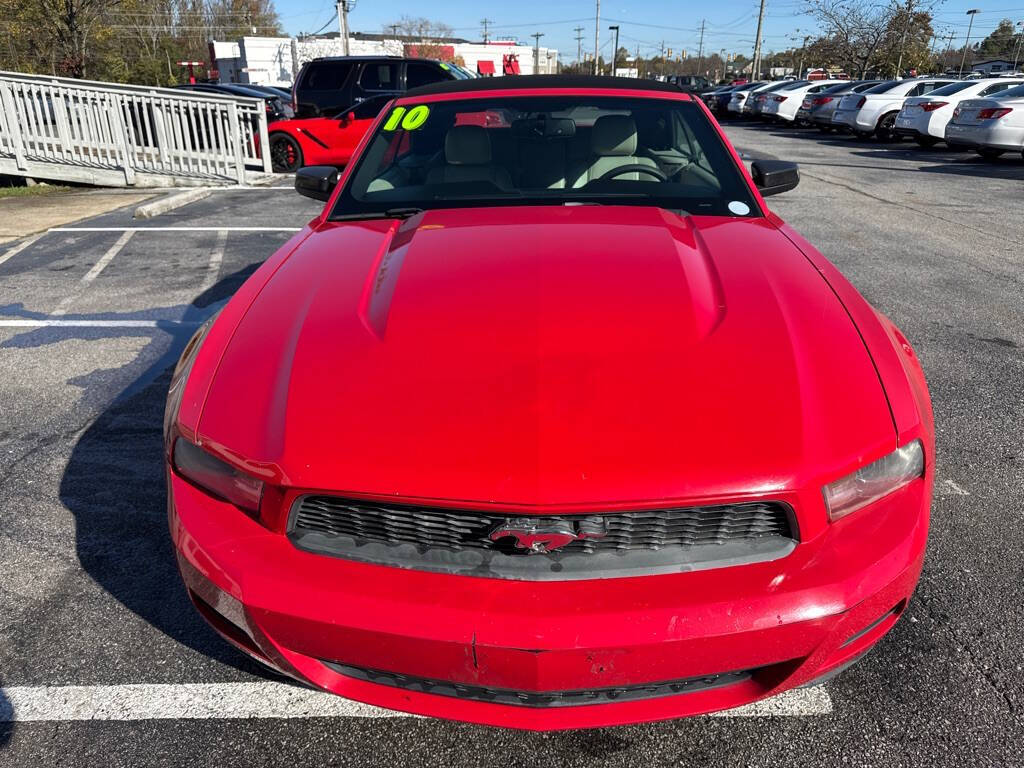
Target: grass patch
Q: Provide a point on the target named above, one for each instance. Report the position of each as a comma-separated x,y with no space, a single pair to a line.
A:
36,191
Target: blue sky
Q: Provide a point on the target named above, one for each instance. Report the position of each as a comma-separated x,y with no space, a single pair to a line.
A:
730,24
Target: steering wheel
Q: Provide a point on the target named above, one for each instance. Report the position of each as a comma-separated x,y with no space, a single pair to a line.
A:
635,168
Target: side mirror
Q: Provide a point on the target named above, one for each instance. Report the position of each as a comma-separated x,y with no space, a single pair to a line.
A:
770,176
316,181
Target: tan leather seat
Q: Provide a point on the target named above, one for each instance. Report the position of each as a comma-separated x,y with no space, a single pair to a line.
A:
613,144
467,156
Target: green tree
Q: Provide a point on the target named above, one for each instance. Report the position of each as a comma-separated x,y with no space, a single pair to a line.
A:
1001,44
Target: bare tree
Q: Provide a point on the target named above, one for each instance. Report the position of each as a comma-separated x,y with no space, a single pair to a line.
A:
426,36
855,29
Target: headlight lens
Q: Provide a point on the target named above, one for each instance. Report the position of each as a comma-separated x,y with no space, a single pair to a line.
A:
217,477
872,482
180,376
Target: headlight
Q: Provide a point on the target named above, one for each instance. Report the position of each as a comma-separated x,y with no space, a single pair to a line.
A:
180,376
872,482
217,477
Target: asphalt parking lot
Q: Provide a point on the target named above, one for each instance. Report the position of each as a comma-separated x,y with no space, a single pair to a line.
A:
94,622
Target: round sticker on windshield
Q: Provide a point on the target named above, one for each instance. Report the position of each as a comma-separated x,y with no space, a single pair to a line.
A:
740,209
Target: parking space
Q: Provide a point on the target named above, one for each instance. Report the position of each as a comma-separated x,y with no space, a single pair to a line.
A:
104,661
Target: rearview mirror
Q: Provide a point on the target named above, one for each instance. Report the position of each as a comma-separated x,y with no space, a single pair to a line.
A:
316,181
773,176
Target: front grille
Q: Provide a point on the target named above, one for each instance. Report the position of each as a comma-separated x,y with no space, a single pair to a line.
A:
574,698
588,545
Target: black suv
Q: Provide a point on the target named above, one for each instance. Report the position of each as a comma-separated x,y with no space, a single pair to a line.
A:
330,85
689,83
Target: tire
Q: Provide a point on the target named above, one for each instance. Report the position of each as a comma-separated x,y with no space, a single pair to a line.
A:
989,153
285,153
926,142
885,129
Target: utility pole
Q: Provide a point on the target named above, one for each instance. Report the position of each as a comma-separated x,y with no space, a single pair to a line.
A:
536,51
1020,43
486,23
755,65
597,37
700,48
949,46
615,51
579,44
663,58
344,6
903,40
803,53
963,59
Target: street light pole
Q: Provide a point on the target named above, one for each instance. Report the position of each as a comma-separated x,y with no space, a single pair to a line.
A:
963,59
615,52
597,36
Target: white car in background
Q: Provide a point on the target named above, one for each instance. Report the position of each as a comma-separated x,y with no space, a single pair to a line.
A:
875,110
742,102
783,104
924,118
990,126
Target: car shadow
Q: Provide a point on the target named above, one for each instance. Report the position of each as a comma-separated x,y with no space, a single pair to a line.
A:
114,482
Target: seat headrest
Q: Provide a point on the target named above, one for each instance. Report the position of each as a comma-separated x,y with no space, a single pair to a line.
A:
467,145
614,136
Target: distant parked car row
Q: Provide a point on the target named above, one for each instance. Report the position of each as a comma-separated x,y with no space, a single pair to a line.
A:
984,114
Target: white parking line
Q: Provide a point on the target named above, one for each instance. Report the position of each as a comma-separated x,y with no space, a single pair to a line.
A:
216,258
174,229
92,274
194,701
62,323
19,247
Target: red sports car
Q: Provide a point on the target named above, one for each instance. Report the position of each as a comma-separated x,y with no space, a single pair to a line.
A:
321,140
548,422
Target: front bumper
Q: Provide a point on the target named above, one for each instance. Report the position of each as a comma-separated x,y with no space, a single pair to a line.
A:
618,650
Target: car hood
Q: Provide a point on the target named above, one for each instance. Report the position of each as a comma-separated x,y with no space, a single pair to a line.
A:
547,355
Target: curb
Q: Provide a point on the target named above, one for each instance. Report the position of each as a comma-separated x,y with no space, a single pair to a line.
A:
170,202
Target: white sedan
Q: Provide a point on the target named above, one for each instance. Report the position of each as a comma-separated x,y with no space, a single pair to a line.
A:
783,104
990,126
924,118
875,110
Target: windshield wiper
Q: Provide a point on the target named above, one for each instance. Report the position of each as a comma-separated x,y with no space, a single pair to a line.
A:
390,213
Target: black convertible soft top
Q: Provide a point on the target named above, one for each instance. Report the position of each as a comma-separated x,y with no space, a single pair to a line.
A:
520,82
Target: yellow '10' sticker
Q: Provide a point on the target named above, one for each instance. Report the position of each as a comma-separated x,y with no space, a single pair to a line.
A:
407,119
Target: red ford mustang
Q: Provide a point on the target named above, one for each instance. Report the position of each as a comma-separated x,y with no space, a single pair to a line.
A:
548,422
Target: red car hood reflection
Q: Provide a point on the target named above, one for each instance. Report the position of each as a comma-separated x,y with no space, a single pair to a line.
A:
547,356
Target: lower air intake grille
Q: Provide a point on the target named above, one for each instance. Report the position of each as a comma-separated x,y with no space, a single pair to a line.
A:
542,698
603,545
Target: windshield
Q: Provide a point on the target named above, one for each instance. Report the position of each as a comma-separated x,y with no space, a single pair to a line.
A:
558,150
1010,93
885,87
949,90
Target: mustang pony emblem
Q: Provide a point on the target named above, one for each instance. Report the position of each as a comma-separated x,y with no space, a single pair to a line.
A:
539,535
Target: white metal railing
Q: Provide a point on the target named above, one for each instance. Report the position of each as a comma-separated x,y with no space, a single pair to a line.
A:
134,129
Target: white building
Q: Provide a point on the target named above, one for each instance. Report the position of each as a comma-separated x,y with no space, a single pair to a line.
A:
276,60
